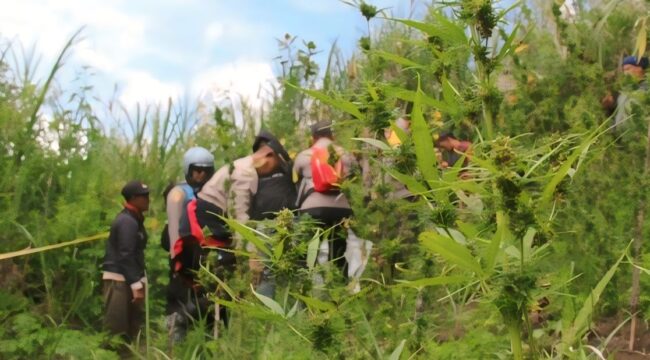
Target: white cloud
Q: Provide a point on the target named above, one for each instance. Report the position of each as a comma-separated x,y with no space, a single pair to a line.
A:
143,87
250,80
49,24
110,40
213,32
88,55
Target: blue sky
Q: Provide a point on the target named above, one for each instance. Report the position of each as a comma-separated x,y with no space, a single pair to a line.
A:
180,48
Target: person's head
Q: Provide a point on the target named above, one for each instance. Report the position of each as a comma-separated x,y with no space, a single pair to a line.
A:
446,140
198,166
635,67
404,123
136,194
322,129
269,155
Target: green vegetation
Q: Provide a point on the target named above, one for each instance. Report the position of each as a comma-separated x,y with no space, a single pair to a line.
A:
523,254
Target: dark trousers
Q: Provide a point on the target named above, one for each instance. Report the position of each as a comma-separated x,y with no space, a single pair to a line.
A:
330,217
185,296
121,315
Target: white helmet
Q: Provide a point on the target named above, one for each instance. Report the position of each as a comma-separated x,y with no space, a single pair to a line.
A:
197,156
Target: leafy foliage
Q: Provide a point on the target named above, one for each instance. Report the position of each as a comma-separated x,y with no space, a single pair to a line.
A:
461,263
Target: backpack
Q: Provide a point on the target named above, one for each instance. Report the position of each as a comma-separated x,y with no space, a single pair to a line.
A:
189,196
190,248
326,176
274,193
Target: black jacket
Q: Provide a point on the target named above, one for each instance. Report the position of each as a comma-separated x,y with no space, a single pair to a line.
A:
125,246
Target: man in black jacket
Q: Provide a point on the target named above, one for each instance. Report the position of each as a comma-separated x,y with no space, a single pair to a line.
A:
124,279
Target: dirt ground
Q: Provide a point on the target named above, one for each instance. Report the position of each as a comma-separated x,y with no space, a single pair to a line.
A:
618,345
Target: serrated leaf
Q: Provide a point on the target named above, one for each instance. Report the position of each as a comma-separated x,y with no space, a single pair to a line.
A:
470,230
269,303
293,310
450,95
506,48
250,235
424,150
225,286
374,142
372,92
565,168
340,104
433,281
580,325
314,303
498,238
485,164
398,59
312,250
409,95
455,234
452,32
278,249
410,182
398,351
528,242
255,311
451,251
443,28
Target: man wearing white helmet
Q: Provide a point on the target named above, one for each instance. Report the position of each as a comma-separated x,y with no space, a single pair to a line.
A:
232,190
198,167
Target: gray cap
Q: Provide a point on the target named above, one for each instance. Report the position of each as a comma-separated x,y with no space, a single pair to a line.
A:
322,128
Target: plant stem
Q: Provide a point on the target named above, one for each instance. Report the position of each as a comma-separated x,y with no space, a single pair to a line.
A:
483,80
147,333
638,242
515,340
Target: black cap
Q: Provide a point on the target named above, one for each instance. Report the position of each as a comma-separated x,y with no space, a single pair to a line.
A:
322,128
272,142
134,188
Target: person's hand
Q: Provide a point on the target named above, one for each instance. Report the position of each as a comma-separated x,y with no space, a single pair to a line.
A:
138,295
607,101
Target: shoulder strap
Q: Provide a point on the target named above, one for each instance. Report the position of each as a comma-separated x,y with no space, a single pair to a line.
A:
302,197
189,192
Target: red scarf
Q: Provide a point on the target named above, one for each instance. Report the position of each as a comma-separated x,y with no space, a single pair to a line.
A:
135,211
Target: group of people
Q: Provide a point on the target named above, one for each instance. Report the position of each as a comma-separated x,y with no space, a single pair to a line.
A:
255,187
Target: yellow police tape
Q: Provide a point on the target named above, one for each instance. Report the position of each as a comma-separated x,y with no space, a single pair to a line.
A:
29,251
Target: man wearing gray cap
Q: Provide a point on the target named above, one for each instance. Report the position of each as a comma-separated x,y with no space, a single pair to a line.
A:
325,202
123,276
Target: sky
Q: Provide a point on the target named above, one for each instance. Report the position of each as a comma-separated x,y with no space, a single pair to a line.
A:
151,50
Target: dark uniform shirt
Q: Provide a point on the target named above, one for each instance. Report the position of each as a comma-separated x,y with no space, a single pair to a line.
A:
125,246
